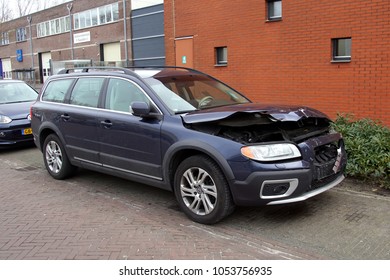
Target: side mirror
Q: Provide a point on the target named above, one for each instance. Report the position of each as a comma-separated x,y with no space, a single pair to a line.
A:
143,110
140,109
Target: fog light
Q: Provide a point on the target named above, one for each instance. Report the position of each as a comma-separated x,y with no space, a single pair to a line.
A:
278,188
275,189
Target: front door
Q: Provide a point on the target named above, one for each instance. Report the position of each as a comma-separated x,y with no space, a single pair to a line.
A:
185,52
128,143
46,57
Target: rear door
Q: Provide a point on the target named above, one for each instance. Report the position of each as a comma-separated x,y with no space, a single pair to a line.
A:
128,143
78,120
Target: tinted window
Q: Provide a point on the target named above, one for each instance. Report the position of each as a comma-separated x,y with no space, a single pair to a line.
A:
121,93
86,92
56,90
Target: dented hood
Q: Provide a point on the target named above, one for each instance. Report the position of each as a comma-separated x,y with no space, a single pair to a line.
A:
271,112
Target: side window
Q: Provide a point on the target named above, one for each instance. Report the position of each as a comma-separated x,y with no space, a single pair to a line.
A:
56,90
86,92
121,93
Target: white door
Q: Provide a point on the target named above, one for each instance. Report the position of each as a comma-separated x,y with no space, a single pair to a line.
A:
7,74
45,65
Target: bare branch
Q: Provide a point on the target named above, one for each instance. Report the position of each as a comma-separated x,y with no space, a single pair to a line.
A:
5,11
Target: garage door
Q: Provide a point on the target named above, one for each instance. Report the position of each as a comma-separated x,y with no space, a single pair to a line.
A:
112,52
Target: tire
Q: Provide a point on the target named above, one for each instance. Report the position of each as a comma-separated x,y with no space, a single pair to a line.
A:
55,158
202,191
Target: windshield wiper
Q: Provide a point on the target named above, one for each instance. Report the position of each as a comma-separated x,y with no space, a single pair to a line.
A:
21,101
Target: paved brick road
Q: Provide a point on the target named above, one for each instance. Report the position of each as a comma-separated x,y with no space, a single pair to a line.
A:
94,216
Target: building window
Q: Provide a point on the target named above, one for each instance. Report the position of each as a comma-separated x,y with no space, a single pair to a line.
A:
341,49
274,8
52,27
4,39
221,56
21,34
96,16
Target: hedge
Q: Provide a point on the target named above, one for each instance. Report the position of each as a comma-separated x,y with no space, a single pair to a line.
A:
367,144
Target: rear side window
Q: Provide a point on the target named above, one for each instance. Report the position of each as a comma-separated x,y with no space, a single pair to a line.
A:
86,92
56,90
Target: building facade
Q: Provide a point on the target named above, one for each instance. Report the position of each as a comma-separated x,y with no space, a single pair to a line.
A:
78,33
330,55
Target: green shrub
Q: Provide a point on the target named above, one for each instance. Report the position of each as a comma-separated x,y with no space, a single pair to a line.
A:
367,144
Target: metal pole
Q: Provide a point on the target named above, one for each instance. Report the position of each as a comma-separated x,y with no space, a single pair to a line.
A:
69,7
125,32
29,19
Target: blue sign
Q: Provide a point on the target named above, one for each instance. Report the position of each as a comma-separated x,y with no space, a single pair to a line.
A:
19,55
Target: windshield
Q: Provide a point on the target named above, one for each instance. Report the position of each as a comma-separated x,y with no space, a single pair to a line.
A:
16,92
184,91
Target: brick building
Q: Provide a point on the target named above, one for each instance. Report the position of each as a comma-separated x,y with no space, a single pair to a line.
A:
331,55
91,32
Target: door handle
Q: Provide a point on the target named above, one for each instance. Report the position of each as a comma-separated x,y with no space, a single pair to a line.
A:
65,117
106,123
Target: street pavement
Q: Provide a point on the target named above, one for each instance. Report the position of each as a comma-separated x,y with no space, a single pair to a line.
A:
94,216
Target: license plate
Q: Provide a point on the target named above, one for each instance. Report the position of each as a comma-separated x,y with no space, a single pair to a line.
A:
26,131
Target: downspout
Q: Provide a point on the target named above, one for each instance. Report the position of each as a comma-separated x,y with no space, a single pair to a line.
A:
29,19
125,33
174,28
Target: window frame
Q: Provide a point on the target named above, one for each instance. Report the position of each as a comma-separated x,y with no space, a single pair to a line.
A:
221,51
270,4
336,57
21,34
53,27
97,16
4,38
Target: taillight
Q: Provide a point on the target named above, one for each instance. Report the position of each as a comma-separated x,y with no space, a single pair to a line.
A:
31,110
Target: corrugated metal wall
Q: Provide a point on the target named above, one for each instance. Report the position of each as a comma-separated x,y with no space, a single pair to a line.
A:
147,26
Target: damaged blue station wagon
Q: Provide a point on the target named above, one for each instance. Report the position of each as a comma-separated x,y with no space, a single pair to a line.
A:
184,131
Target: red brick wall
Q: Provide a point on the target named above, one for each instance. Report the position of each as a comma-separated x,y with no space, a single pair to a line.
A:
289,61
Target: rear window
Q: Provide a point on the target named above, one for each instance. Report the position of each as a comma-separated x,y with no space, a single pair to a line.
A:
56,90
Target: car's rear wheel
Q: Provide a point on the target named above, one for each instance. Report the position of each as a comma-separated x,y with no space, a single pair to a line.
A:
202,191
55,158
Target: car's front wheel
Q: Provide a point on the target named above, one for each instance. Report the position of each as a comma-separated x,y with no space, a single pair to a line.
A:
55,158
202,190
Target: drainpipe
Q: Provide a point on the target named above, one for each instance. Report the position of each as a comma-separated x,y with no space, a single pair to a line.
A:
69,6
29,19
125,33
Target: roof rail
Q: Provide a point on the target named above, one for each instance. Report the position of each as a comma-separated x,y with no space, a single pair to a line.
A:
89,69
129,70
163,67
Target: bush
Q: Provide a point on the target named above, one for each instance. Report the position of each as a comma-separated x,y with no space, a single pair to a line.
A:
367,143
